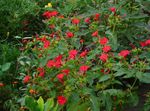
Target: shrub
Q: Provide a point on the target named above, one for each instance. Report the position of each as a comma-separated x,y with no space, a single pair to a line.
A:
81,60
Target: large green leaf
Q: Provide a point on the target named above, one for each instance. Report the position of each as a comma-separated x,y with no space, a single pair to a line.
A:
40,102
143,77
31,104
49,104
95,103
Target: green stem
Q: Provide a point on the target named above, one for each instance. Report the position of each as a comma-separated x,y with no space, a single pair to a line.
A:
133,84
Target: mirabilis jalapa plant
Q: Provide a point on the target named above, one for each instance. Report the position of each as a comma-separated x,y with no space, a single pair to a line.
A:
77,64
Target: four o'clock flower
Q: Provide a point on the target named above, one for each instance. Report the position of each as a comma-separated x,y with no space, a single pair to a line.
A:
103,41
103,57
87,20
106,48
84,68
60,77
75,21
72,54
61,100
26,79
124,53
95,34
147,42
112,9
69,34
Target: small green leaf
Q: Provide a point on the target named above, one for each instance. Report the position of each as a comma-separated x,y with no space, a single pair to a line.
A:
6,66
104,78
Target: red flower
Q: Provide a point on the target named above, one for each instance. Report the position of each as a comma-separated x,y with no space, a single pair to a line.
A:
112,9
54,13
50,63
84,68
69,34
83,54
143,44
75,21
66,71
41,74
61,100
46,44
58,63
58,58
87,20
103,41
72,54
60,77
49,14
147,42
106,48
124,53
95,34
103,57
41,71
26,79
97,15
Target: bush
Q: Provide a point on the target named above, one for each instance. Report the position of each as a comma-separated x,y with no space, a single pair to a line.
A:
84,61
13,13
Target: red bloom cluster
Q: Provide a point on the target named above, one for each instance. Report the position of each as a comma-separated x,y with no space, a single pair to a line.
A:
60,76
45,41
84,68
65,71
103,41
124,53
95,34
72,54
83,54
46,44
61,100
26,79
103,57
112,9
106,48
49,14
145,43
69,34
96,17
75,21
41,71
87,20
57,62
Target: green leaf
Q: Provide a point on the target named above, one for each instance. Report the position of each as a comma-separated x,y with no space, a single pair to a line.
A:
49,104
31,104
95,103
104,78
108,102
143,77
40,102
6,66
55,108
